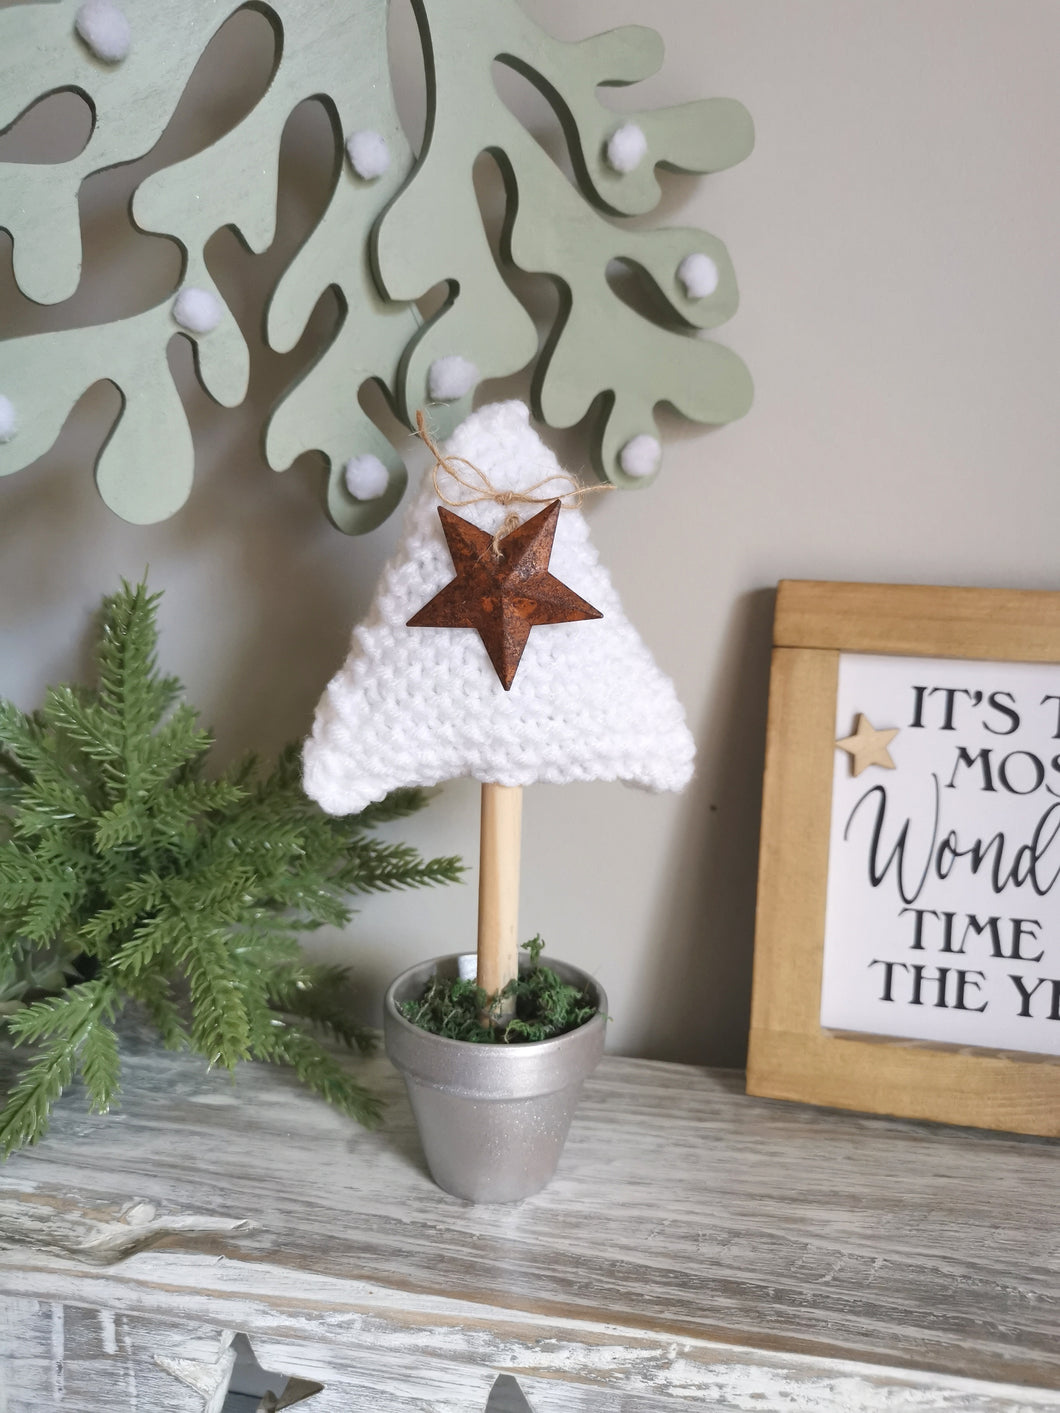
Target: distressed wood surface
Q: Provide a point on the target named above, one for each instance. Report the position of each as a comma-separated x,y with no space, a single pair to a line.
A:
696,1246
72,1358
715,1379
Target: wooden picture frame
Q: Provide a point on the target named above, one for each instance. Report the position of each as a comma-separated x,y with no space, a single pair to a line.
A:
791,1056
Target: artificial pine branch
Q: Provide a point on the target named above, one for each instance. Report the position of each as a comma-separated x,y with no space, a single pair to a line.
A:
128,875
69,1026
26,1114
315,1067
320,995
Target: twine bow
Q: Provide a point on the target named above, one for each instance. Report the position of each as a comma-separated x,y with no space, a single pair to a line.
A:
483,489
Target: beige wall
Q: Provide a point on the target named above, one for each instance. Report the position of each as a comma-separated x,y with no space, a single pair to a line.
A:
896,236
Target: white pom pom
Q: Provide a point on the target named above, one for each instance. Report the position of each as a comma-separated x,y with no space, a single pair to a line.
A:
369,154
366,477
640,456
8,419
197,310
626,147
104,28
699,275
451,377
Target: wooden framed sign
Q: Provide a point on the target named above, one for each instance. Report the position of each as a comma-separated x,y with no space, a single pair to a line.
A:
907,950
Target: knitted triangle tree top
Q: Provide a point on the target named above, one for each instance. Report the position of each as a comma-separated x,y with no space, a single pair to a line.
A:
416,706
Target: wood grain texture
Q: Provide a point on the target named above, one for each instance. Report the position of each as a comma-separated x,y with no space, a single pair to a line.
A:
501,833
1004,625
793,855
717,1380
70,1357
790,1056
696,1247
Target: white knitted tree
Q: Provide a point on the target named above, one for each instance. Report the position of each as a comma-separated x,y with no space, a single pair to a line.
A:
416,706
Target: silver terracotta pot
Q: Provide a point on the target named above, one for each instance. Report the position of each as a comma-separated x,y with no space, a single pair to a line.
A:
492,1118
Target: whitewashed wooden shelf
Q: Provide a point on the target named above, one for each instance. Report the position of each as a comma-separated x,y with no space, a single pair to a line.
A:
698,1249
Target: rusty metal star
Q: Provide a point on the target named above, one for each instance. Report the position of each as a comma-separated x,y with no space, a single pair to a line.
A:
502,590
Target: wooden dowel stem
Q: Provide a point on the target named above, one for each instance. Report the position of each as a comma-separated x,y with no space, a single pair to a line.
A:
498,889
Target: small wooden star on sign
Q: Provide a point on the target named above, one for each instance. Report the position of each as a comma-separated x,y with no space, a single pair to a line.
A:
868,746
505,591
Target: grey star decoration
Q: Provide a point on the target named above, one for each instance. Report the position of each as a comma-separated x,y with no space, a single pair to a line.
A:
253,1389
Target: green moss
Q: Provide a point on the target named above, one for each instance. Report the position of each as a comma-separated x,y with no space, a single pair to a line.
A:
545,1007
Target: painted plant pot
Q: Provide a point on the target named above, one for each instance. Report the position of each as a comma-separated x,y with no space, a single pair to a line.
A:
492,1118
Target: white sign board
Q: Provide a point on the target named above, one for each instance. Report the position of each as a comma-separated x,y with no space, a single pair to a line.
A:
943,910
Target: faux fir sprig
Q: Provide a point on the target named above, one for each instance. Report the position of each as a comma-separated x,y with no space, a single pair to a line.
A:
129,876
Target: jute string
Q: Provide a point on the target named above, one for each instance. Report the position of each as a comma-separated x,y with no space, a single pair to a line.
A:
482,488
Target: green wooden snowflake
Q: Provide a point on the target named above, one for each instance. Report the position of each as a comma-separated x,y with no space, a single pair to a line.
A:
397,224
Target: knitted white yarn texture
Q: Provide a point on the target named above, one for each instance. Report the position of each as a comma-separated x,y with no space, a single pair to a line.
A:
417,706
